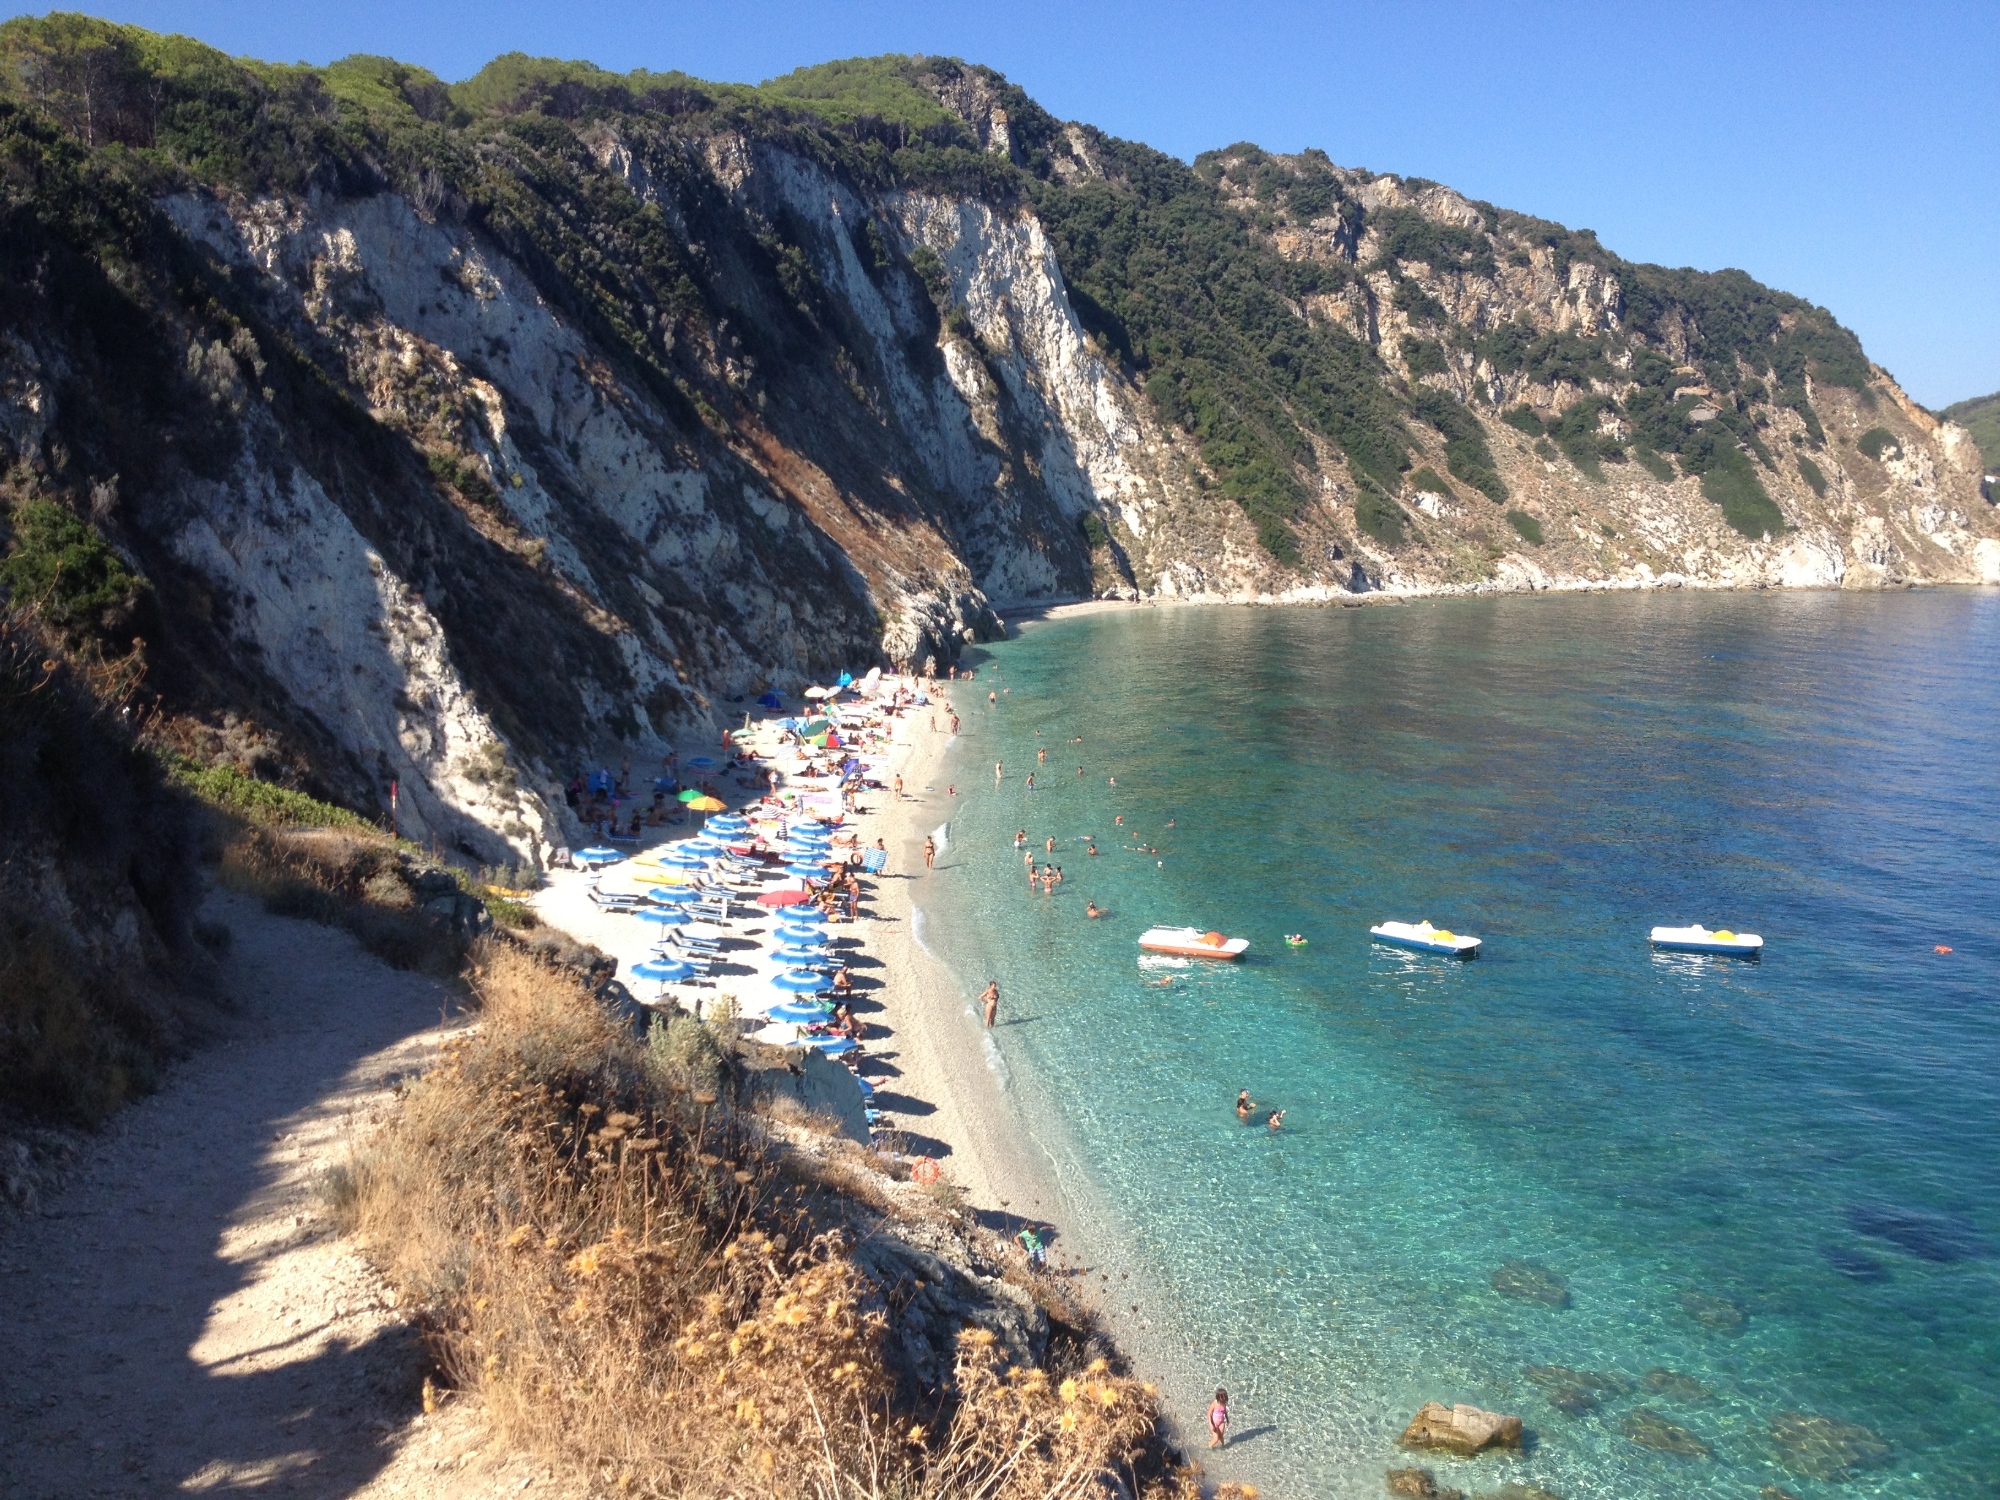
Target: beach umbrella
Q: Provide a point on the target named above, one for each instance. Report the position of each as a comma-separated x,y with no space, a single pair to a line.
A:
802,982
706,804
599,856
803,954
728,823
808,914
770,700
659,916
799,1012
672,895
687,794
781,898
663,970
832,1046
805,872
701,843
795,924
867,1088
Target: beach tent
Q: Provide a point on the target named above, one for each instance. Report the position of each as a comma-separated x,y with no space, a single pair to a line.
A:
770,700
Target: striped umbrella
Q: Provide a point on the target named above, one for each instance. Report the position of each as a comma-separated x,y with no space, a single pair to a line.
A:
663,970
832,1046
802,982
672,895
802,954
799,1012
599,856
661,917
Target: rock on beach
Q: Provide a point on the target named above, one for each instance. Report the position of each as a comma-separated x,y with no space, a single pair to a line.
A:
1419,1484
1460,1429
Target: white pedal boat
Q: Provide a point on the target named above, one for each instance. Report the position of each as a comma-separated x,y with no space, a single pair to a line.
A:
1425,938
1192,942
1698,939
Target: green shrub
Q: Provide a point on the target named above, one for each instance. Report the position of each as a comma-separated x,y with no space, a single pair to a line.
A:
1529,528
1745,504
1380,518
1810,473
1413,300
1876,441
1427,479
1545,450
256,801
1656,464
1095,533
1423,356
62,567
1465,452
1523,419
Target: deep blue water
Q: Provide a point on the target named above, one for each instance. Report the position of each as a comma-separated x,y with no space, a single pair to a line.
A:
1811,1139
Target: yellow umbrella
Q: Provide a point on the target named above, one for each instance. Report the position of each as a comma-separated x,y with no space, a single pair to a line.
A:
706,804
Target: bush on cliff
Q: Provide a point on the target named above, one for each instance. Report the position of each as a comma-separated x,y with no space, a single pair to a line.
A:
621,1265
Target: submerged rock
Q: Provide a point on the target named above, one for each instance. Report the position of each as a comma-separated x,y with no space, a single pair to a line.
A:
1772,1492
1522,1492
1649,1429
1677,1387
1575,1392
1525,1280
1826,1447
1418,1484
1460,1429
1854,1264
1712,1312
1928,1236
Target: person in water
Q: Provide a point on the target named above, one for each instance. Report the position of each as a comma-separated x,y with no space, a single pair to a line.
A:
1244,1104
1092,909
1218,1419
1049,847
1021,839
930,854
1276,1119
1090,848
990,999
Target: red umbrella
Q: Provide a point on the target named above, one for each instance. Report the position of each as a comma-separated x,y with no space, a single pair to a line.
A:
782,898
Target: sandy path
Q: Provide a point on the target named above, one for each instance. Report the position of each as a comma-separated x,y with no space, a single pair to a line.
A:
180,1317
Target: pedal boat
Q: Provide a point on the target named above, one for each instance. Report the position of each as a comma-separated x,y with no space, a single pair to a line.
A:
1424,938
1698,939
1192,942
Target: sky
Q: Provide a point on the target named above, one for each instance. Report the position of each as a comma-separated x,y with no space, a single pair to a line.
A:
1848,153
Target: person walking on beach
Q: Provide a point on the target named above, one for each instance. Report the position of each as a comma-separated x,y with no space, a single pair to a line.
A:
990,999
1218,1419
1031,1241
930,854
899,789
954,723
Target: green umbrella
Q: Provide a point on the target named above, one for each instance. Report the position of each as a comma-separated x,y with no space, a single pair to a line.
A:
688,794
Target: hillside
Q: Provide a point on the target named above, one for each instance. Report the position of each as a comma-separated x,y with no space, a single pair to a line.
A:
458,436
1980,417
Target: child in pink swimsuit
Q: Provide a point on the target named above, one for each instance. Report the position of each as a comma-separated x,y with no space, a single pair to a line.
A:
1218,1419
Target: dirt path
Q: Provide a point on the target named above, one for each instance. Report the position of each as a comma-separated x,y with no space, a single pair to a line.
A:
180,1317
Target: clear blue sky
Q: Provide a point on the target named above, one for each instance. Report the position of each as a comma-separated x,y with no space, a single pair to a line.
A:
1849,153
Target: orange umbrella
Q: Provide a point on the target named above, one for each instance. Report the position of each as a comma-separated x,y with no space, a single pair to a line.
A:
705,804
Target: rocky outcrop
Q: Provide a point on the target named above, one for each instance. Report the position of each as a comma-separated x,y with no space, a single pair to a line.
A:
1419,1484
1460,1429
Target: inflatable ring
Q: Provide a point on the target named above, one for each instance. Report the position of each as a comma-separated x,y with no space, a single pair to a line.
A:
925,1169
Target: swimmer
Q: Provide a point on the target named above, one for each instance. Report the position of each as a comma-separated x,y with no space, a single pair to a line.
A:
1021,839
1172,821
1079,770
1050,846
1244,1104
1113,780
991,699
1031,781
1092,909
1042,755
997,772
1275,1119
1090,849
1119,819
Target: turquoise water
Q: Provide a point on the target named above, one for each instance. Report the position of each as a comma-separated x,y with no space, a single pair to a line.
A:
1810,1141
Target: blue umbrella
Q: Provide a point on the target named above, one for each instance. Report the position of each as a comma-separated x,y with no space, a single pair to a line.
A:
699,844
727,823
799,1012
832,1046
672,895
867,1088
806,872
660,917
804,954
599,856
684,861
802,916
802,982
663,970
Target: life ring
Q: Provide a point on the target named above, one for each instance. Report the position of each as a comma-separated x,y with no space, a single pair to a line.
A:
925,1169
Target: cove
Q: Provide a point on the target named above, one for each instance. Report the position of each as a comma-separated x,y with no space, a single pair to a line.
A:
1634,1198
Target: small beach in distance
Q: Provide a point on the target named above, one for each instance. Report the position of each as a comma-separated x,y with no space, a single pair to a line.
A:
1707,1225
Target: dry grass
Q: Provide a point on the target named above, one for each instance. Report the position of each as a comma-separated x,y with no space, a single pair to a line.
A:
619,1266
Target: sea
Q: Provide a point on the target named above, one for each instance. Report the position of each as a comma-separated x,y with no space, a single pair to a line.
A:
1706,1224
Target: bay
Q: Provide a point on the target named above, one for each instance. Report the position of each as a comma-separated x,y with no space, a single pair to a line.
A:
1773,1182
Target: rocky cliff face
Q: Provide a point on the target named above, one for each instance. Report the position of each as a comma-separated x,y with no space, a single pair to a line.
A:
465,437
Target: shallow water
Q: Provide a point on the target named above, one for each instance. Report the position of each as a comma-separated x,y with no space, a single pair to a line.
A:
1808,1142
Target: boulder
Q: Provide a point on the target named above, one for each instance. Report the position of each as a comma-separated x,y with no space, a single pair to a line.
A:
1718,1314
1826,1447
1419,1485
1677,1387
1651,1430
1528,1282
1460,1429
1575,1392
